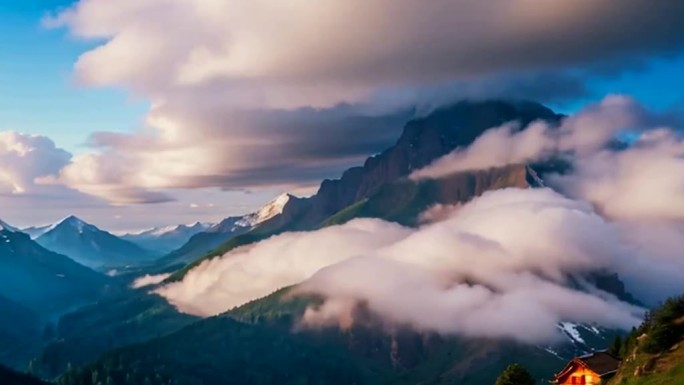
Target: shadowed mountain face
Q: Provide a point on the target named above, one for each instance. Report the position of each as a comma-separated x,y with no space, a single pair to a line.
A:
18,324
260,342
10,377
92,247
41,280
380,188
422,141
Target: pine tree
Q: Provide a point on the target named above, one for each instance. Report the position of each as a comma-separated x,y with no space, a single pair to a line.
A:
616,347
515,374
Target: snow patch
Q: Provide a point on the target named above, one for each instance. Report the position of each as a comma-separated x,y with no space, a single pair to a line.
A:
570,329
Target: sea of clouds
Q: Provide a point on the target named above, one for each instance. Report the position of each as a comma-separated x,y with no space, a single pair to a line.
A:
510,251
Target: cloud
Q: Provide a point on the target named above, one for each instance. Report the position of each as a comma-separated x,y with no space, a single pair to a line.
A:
24,158
645,181
148,280
100,175
304,53
252,272
256,149
636,184
465,263
580,134
449,276
254,94
495,148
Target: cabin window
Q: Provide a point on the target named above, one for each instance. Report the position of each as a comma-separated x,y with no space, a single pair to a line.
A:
578,380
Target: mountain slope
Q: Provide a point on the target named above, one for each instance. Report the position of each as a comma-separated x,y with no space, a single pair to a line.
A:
380,187
403,201
260,343
90,246
18,324
41,280
84,334
653,354
165,239
206,241
36,231
422,141
10,377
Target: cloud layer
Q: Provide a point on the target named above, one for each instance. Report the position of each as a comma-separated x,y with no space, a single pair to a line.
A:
579,135
247,94
616,210
451,276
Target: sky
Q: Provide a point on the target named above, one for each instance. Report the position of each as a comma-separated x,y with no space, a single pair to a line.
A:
138,113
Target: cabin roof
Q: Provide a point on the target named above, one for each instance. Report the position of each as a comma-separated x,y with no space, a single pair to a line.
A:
601,363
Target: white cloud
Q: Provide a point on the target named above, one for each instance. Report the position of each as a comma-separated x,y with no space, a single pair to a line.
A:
148,280
451,276
253,272
472,260
495,148
645,181
227,82
304,53
581,134
24,158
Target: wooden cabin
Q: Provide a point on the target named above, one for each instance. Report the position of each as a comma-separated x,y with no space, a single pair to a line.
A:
591,369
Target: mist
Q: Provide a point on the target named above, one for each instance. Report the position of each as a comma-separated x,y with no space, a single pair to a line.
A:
454,275
511,251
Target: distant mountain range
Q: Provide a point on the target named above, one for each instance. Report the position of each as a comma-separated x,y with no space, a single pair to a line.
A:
257,339
255,343
92,247
205,241
36,231
165,239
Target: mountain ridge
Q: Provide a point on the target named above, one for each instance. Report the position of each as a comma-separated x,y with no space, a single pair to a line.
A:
90,246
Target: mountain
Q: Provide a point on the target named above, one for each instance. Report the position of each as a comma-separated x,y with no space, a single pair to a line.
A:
42,280
380,188
129,317
4,226
259,342
10,377
205,241
165,239
92,247
653,353
36,231
18,324
422,141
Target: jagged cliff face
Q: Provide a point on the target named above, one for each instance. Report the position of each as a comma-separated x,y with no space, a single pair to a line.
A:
422,141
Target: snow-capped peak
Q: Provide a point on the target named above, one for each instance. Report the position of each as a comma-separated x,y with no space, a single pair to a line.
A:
272,208
268,211
164,230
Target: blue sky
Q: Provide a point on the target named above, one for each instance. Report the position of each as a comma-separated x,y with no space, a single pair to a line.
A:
37,91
